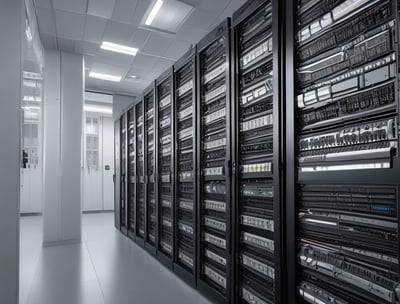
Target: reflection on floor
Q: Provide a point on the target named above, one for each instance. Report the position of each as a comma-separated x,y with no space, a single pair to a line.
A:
105,268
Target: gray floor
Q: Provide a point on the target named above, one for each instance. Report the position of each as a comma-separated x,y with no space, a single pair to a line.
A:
105,268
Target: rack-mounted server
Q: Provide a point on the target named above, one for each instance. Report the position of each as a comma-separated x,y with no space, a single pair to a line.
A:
346,99
140,180
215,269
131,171
165,164
185,167
117,174
123,212
257,105
149,167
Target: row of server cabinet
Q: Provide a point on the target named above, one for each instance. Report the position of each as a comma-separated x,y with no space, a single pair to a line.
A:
263,167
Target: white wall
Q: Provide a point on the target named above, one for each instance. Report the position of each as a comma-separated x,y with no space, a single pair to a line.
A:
11,30
108,159
120,103
63,108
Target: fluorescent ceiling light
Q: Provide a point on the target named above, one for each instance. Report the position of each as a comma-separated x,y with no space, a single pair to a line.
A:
133,77
105,77
154,12
113,47
97,109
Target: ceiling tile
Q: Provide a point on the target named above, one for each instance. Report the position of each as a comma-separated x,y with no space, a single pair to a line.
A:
157,44
66,45
140,10
118,32
201,19
114,58
101,8
43,3
232,7
86,48
70,25
46,21
177,49
139,38
193,3
109,68
124,10
212,5
193,35
73,6
94,28
171,16
144,61
49,41
162,65
139,72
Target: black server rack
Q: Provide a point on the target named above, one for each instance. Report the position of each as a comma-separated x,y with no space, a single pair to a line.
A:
345,109
257,153
185,167
149,167
123,212
130,176
117,174
140,175
164,168
214,256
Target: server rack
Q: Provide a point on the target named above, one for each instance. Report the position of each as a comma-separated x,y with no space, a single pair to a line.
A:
149,168
214,255
258,152
117,174
123,212
346,149
140,175
185,168
164,167
130,174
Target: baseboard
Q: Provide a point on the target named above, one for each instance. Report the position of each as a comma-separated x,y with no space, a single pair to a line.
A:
61,243
31,214
98,211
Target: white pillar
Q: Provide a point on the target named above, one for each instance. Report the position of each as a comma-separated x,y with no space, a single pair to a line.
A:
11,35
63,109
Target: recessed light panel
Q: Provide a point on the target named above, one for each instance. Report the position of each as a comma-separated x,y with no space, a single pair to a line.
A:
118,48
166,16
105,77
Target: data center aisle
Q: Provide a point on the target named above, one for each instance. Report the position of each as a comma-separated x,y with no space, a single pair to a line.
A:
105,268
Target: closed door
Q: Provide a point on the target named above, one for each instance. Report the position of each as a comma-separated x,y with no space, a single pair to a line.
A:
98,164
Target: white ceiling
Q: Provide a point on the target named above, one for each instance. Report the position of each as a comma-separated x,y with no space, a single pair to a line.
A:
81,25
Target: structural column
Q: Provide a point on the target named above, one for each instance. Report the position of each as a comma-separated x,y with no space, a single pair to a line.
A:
11,34
63,114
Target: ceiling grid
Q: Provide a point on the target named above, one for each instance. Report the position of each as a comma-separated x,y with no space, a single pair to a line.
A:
81,26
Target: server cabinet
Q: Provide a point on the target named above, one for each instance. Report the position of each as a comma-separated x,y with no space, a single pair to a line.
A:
185,167
140,180
131,161
346,142
123,212
257,153
215,262
117,174
149,167
165,164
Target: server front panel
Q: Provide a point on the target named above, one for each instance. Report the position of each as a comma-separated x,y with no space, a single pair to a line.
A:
185,176
165,162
